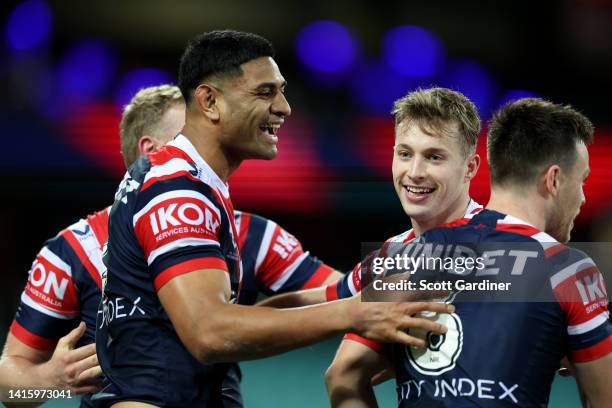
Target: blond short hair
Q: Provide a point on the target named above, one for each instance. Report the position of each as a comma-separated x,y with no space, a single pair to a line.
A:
142,116
434,109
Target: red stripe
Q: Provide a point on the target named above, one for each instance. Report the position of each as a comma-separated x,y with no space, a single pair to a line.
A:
178,173
245,223
186,267
594,352
380,348
455,223
167,153
521,229
31,339
78,249
331,292
554,250
317,278
99,224
410,236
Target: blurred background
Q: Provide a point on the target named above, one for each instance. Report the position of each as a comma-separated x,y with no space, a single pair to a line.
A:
67,68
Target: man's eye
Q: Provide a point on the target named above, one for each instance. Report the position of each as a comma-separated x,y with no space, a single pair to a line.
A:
264,93
435,157
403,154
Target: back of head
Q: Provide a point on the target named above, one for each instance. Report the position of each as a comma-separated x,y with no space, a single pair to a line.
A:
435,109
530,134
218,54
143,116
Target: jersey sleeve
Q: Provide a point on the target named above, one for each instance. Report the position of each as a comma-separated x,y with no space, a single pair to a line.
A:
49,306
579,288
178,223
282,265
346,287
381,348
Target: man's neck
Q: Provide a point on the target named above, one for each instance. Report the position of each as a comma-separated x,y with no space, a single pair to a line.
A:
209,148
454,212
520,204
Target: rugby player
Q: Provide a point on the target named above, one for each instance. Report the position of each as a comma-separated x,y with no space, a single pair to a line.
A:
174,268
274,262
500,354
434,160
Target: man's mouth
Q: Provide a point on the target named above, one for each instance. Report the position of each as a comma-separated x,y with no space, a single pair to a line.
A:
270,128
418,194
419,190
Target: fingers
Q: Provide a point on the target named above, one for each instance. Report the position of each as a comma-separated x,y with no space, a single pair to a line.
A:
423,324
414,307
80,353
90,374
86,364
408,340
86,389
71,339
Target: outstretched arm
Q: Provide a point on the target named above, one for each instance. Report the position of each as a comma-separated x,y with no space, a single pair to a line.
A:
214,330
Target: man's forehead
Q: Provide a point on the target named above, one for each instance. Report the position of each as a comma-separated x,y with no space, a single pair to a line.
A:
263,70
444,135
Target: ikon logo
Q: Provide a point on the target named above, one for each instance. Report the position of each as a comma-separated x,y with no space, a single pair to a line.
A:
285,244
187,213
591,288
40,277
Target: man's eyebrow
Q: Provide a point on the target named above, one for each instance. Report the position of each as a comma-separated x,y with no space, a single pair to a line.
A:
271,85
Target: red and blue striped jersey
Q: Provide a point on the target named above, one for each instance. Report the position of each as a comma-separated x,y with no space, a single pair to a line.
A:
500,352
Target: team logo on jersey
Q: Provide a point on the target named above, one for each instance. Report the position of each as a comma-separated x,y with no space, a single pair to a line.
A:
442,350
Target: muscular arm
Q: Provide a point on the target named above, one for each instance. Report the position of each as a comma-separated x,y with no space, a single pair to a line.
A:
296,299
65,367
348,379
214,330
302,297
594,379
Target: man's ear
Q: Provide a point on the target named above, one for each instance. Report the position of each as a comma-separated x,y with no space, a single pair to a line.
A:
148,144
206,97
473,164
551,179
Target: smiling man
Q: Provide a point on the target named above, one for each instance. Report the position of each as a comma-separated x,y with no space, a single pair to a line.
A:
168,316
503,351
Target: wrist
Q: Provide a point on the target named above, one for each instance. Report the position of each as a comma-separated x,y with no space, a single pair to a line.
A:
43,375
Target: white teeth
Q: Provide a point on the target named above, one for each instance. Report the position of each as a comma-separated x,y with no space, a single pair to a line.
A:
271,128
419,190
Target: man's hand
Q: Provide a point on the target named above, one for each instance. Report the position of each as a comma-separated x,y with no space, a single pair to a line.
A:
387,321
72,368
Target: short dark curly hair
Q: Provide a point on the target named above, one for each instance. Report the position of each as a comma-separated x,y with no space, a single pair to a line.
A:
529,134
218,53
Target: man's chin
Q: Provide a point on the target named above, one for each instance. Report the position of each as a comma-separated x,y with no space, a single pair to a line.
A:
261,154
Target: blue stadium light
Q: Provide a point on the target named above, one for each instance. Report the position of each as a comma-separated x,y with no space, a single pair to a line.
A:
516,94
475,82
86,70
376,87
326,46
137,79
28,25
413,51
